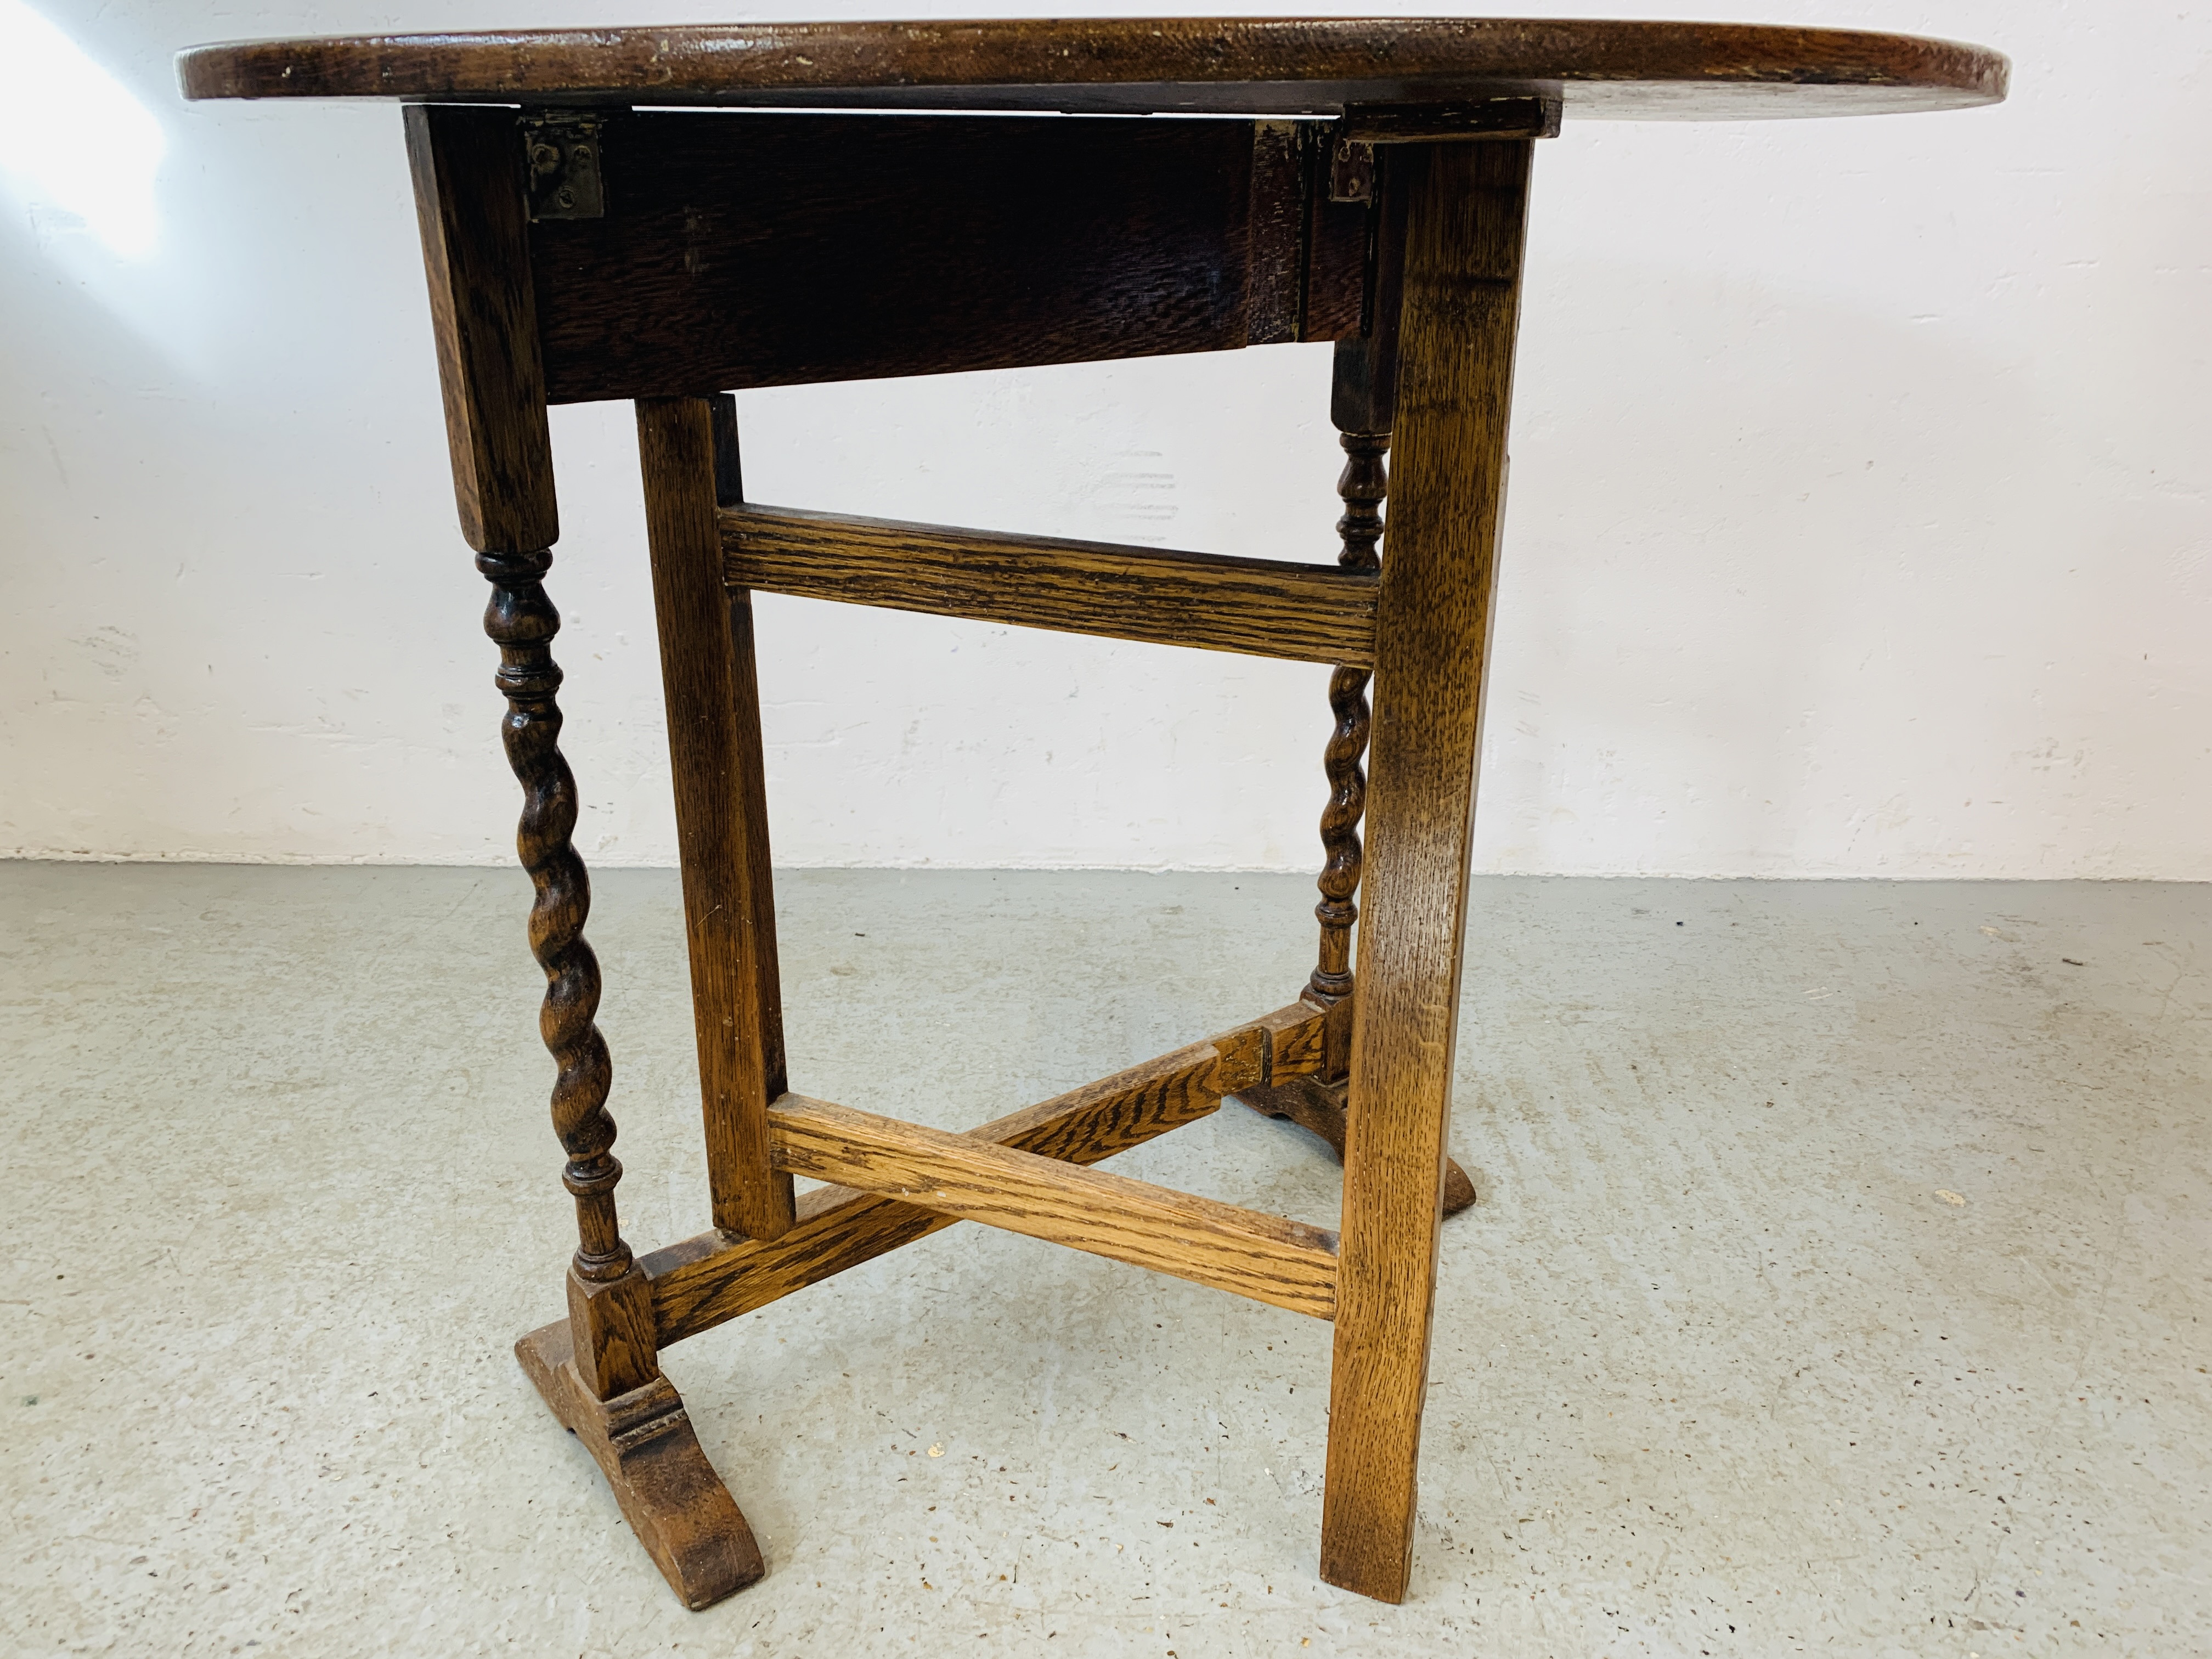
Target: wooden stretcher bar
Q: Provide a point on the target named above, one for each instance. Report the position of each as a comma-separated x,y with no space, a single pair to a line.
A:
1256,607
705,1280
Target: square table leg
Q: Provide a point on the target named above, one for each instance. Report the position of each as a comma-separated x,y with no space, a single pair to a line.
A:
711,686
1363,406
1464,209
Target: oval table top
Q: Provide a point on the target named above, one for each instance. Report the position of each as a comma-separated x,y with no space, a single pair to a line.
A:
1190,66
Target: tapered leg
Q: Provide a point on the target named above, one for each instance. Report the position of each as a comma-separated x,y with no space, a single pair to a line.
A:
1464,209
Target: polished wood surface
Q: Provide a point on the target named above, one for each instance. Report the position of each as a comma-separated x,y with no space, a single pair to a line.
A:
1254,65
1362,486
790,249
1257,607
484,322
768,249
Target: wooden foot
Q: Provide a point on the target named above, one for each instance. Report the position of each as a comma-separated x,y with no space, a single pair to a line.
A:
1318,1109
643,1443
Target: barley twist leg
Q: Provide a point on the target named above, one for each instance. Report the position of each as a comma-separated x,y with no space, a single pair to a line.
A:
1316,1104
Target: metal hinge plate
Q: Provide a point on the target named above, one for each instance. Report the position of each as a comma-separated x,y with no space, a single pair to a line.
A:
561,152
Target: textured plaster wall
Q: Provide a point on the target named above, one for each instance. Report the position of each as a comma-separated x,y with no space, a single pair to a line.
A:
1859,522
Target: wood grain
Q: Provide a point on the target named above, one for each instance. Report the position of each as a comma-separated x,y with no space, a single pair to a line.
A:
708,680
1336,308
469,203
760,250
1362,402
1466,213
643,1442
1259,607
1195,65
1285,1263
1276,226
752,775
608,1299
611,1325
765,250
1317,1107
1533,117
702,1282
1362,486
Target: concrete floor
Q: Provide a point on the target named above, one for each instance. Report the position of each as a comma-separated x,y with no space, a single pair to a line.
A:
1840,1280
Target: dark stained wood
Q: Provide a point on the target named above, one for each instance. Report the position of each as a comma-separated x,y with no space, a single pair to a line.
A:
1253,65
1284,1263
707,679
1467,209
756,250
1532,117
729,470
1362,402
1362,487
1317,1107
1260,607
643,1443
703,1281
1353,138
607,1294
1364,381
1337,239
469,203
1275,264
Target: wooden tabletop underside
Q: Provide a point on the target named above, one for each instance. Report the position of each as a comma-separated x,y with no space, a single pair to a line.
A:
1192,66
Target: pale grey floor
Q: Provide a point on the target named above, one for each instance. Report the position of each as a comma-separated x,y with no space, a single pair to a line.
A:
1719,1368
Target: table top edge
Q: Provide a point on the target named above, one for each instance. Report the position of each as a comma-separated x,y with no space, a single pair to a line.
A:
1622,70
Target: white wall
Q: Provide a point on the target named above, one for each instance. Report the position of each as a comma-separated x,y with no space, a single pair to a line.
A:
1859,522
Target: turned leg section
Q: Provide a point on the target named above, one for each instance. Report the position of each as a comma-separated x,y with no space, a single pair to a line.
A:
608,1299
599,1370
1362,407
1461,208
1362,487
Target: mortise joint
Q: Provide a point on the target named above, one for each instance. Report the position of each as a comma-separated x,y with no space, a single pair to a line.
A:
1246,1059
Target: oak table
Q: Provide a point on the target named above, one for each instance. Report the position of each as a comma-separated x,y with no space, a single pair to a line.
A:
1362,182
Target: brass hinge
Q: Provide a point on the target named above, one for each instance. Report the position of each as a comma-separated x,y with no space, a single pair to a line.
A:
560,154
